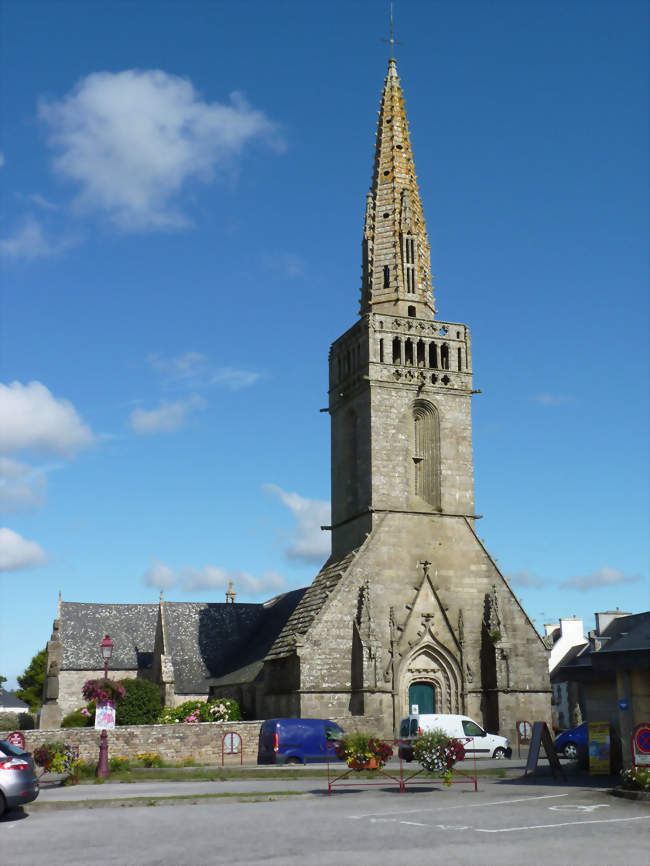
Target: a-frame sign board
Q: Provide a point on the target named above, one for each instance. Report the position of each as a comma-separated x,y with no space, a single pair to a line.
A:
542,737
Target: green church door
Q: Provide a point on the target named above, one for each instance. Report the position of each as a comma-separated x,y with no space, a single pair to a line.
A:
424,695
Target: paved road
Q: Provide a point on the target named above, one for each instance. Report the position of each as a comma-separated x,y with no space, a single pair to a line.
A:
506,822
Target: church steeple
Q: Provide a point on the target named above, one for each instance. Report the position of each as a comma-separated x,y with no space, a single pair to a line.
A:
396,258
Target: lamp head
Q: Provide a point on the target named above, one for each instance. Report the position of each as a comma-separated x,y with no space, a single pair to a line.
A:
106,648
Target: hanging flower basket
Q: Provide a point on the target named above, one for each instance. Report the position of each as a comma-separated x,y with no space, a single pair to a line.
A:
368,764
437,753
103,691
363,751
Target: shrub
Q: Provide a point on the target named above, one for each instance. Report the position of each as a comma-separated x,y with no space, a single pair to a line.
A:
9,721
191,712
81,718
636,779
118,764
57,757
140,704
149,759
26,722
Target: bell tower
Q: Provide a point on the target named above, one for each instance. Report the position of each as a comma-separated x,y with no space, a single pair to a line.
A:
400,380
410,603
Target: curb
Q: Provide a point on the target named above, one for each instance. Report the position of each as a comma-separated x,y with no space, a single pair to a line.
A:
174,800
643,796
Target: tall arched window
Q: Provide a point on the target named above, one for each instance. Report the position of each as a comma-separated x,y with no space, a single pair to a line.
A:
351,461
426,452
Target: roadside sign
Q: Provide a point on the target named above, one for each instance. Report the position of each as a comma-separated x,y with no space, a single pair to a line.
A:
623,704
17,739
641,744
231,744
524,731
599,748
105,716
541,736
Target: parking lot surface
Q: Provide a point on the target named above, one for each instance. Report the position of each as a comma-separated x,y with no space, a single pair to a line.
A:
508,821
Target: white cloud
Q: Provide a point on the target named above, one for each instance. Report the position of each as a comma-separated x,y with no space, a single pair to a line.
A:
42,202
194,370
605,576
525,578
284,264
133,140
309,541
159,575
21,486
32,418
30,242
233,378
553,399
167,418
213,577
16,552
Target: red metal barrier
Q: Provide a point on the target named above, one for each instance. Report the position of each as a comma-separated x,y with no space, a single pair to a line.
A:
402,780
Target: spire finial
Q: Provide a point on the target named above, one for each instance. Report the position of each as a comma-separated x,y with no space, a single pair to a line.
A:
391,41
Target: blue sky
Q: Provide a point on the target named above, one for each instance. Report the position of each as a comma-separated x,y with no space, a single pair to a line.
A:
183,191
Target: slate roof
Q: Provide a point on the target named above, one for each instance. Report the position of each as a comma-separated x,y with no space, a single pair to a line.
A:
9,701
132,628
209,644
626,645
216,644
311,603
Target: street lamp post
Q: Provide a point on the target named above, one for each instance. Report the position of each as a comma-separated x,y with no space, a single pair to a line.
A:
106,649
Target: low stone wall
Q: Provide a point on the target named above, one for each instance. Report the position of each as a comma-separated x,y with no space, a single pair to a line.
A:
177,742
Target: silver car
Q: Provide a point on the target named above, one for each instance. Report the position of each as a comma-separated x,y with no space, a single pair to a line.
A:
18,781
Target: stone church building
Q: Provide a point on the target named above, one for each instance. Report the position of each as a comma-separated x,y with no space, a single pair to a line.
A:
410,608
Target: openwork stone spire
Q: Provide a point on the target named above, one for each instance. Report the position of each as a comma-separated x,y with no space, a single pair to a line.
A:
396,258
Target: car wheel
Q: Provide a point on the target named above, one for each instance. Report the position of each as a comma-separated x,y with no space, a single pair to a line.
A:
570,751
499,754
293,760
3,804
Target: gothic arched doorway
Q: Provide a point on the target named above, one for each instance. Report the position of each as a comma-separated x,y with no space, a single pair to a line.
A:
423,695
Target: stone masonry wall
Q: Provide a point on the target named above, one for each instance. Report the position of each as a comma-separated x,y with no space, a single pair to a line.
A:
203,742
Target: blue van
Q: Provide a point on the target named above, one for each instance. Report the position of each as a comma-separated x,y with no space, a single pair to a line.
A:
297,741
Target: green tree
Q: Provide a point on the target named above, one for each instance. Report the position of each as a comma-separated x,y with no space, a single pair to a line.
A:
2,681
31,682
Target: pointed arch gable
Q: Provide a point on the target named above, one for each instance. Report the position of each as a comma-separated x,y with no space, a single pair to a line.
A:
431,662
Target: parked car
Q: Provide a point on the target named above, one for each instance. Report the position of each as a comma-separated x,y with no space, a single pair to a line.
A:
297,741
574,743
18,781
481,743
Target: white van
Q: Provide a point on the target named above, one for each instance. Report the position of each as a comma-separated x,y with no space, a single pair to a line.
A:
481,743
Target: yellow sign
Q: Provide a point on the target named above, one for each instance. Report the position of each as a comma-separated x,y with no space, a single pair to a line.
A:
599,748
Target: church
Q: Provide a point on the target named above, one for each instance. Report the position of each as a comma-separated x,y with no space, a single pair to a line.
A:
410,608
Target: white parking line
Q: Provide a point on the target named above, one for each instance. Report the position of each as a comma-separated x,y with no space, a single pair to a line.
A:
565,824
462,806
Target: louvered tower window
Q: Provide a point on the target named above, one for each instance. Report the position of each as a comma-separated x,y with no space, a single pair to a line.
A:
408,258
426,452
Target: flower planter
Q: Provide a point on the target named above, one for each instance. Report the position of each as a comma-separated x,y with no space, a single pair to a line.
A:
369,764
